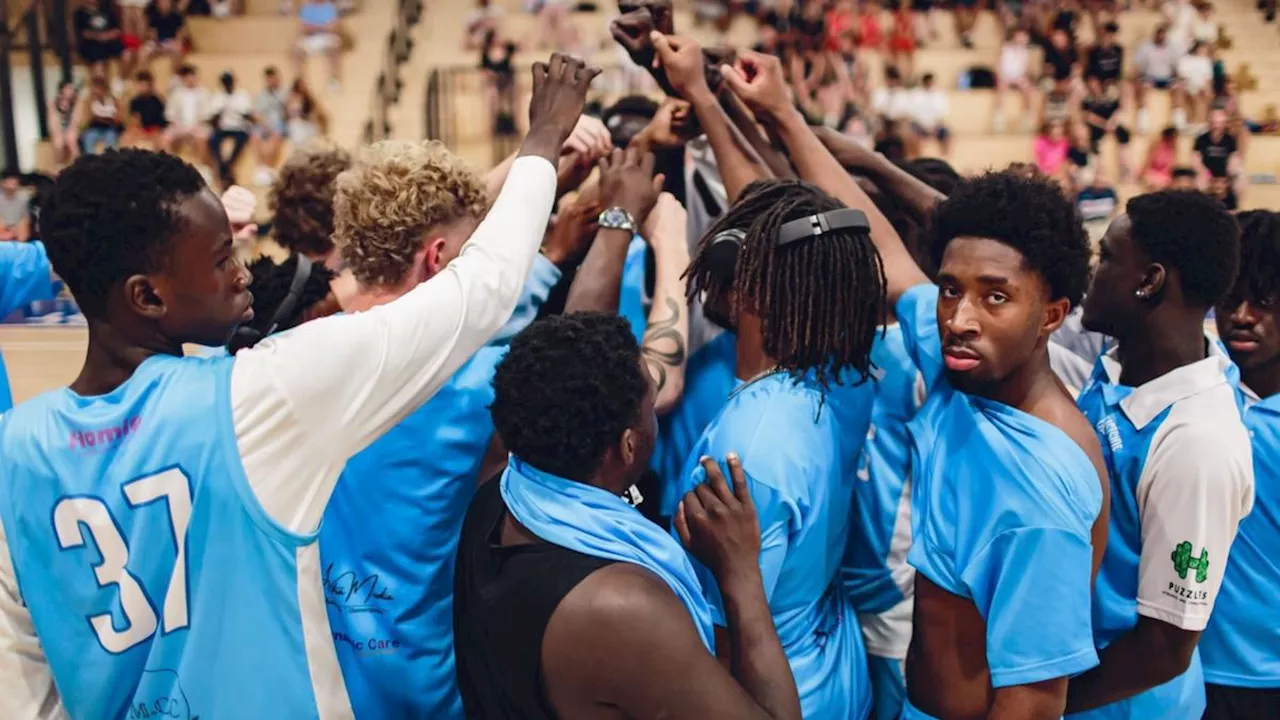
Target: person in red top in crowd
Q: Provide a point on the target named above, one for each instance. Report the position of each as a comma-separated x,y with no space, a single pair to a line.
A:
870,36
902,39
842,22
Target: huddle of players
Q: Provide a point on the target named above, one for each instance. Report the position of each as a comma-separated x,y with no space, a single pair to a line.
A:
1050,539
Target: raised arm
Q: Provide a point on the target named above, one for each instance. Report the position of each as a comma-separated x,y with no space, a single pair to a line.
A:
759,81
303,402
891,179
738,163
627,183
667,336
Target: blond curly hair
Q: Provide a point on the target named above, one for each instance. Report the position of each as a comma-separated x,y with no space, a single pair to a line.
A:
301,198
393,195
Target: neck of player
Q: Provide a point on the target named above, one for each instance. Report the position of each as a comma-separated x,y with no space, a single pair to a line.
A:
1025,387
114,354
1166,340
752,360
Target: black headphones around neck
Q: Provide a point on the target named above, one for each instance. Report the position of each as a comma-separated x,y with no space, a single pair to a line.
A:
246,336
722,253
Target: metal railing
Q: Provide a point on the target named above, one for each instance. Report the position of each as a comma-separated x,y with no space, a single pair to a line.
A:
386,91
41,26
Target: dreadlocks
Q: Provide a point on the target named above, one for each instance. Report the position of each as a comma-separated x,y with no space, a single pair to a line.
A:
820,301
1259,277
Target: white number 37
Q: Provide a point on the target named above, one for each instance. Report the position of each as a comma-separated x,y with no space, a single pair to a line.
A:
73,516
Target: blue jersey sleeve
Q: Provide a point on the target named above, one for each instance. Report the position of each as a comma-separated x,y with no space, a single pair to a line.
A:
777,516
537,289
24,275
917,312
1033,589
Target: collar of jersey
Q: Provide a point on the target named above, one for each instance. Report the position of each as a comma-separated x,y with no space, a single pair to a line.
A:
1143,403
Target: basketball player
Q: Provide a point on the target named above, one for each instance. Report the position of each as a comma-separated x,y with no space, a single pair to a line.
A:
25,277
1004,468
1181,470
1240,647
568,602
403,212
159,515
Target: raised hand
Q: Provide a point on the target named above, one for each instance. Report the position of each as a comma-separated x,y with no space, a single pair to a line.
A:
759,80
240,204
684,63
589,139
667,223
559,94
719,525
663,19
631,31
568,240
627,181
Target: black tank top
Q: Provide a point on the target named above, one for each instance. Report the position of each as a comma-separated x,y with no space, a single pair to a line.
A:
503,598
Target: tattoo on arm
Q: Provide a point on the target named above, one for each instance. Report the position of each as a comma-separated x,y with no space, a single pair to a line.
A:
663,347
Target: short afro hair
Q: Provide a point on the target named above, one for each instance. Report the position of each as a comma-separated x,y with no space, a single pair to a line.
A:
113,215
394,193
270,286
301,199
1259,277
1029,213
567,389
1194,235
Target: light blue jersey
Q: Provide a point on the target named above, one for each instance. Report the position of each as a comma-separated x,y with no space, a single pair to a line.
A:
708,380
24,279
1241,645
1003,506
165,589
877,579
801,453
1181,479
390,536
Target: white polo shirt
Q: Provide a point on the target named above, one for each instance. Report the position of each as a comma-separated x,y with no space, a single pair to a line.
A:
1181,471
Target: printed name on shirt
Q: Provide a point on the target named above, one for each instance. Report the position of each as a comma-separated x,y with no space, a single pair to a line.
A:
105,436
369,645
1107,427
172,704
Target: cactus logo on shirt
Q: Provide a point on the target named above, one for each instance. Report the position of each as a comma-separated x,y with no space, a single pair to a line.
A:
1184,561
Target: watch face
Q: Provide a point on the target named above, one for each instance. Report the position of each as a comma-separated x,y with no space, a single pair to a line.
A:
615,218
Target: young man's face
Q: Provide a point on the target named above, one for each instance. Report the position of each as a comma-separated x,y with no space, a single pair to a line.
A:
1111,302
1250,328
203,286
993,312
640,439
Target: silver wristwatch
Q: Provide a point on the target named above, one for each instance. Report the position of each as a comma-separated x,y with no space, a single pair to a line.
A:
615,218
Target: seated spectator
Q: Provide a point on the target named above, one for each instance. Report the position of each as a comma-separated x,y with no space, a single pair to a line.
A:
166,34
890,100
98,35
306,121
301,202
146,122
187,111
1181,15
870,34
841,28
1012,73
1154,65
1194,91
902,39
1102,109
1050,148
1162,156
231,113
485,17
1184,178
1106,57
1097,202
15,208
270,112
1061,104
319,35
1061,59
1204,26
100,117
927,109
63,130
1225,190
1215,150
